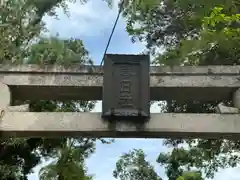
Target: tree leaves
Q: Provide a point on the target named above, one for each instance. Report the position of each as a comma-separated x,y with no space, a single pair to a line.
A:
190,176
21,24
133,166
68,163
60,52
193,33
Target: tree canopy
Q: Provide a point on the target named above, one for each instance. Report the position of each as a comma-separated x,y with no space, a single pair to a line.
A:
22,43
176,32
191,33
133,165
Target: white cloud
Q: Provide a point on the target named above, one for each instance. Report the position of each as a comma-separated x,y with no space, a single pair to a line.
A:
91,19
228,173
92,23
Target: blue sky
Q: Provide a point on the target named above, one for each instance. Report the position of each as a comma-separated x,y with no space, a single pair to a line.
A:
92,23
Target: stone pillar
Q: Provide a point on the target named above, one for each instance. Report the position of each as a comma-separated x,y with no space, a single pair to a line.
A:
5,96
236,99
5,100
221,108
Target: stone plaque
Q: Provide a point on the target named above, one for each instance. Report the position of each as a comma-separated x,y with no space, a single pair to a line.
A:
126,91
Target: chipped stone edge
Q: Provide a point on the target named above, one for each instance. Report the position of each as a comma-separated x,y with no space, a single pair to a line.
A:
222,109
7,107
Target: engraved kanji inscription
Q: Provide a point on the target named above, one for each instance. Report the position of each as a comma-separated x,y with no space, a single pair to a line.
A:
126,87
125,95
125,101
127,71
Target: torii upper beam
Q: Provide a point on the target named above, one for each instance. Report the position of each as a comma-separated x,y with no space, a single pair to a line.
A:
85,82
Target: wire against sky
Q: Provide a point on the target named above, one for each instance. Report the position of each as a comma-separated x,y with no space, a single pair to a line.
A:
110,37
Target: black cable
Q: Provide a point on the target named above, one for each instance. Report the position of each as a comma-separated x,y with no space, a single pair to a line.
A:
115,24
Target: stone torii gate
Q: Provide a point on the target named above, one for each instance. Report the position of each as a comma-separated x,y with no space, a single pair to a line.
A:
32,82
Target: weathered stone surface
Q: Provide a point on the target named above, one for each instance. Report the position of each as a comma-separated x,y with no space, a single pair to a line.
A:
222,109
20,108
90,124
5,96
162,70
85,82
236,99
5,100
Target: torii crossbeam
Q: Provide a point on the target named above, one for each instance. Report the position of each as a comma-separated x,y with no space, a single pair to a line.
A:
32,82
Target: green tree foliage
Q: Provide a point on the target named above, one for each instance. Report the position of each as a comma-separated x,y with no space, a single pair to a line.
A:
133,166
175,162
69,163
21,24
62,52
192,175
16,30
20,28
191,33
220,33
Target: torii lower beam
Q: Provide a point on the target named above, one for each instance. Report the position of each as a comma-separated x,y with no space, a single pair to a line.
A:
31,124
85,82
